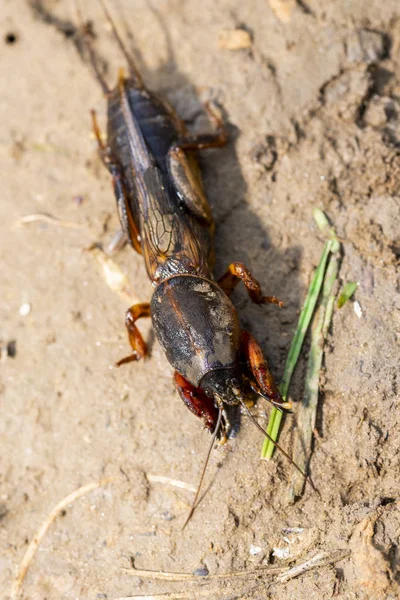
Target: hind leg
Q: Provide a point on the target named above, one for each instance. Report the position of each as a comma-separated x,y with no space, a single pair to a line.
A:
185,176
129,226
128,223
205,140
184,170
101,146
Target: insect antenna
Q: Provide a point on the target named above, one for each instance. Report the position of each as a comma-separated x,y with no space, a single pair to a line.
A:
214,437
266,434
286,406
92,56
134,72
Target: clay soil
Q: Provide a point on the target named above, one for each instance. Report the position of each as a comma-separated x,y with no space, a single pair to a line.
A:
312,108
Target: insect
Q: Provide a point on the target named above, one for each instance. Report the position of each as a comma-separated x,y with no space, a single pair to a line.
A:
166,217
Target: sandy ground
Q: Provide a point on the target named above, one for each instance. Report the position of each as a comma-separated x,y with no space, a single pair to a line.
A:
313,114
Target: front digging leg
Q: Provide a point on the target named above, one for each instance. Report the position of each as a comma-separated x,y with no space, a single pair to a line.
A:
198,402
264,382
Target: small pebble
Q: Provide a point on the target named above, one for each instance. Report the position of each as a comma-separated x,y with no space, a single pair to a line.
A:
3,511
281,553
12,349
365,45
283,9
25,309
288,530
201,572
254,550
380,110
235,39
167,516
357,309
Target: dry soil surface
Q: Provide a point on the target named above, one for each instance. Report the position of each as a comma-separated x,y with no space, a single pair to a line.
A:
312,108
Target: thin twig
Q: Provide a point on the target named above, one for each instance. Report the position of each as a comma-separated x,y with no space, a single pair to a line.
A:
174,482
188,595
48,218
319,560
41,532
284,574
170,595
172,576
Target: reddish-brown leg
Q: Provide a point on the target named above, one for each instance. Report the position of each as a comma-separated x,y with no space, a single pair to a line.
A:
239,272
138,345
125,214
259,367
205,140
97,132
197,401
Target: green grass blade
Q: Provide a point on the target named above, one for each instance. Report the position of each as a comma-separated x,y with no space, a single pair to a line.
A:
320,219
295,348
307,411
324,226
348,290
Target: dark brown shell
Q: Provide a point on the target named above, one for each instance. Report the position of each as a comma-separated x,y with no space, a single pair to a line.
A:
196,324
